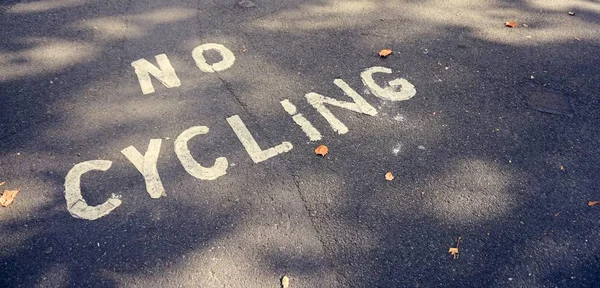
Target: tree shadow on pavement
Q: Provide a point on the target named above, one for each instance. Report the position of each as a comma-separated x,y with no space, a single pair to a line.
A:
475,159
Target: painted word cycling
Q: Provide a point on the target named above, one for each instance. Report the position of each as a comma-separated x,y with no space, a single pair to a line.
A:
398,89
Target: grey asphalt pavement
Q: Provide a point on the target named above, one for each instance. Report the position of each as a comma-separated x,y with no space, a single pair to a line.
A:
171,143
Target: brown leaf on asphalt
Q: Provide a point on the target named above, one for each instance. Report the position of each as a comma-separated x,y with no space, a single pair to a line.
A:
511,24
285,281
389,176
322,150
593,203
385,52
2,183
454,250
8,197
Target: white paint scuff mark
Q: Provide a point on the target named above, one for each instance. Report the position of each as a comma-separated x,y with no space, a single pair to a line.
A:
226,54
146,165
254,151
359,105
399,118
187,160
310,130
76,205
165,74
397,149
399,89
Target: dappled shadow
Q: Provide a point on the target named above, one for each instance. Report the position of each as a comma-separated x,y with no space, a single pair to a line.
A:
472,159
96,253
381,235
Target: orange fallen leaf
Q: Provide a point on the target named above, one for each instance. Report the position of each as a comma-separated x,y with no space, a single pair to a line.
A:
8,197
593,203
389,176
321,150
454,250
511,24
385,52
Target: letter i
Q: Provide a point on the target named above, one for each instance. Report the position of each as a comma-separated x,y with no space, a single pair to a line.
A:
310,131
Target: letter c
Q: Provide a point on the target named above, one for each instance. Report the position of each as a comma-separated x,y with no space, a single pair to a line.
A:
75,202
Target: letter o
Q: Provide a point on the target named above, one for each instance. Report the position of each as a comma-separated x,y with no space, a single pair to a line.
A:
226,62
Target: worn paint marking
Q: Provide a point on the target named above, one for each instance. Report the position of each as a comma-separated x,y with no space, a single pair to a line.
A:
76,205
359,105
226,54
146,165
165,73
187,160
307,127
254,151
399,89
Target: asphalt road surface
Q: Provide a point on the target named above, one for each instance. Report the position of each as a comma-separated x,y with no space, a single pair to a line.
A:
171,143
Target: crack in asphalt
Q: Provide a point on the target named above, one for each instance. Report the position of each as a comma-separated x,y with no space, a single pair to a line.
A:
295,177
229,89
314,226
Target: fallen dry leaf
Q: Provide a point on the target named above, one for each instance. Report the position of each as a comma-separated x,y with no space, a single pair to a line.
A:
285,281
454,250
385,52
321,150
577,39
2,183
389,176
8,197
571,13
562,168
511,24
593,203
